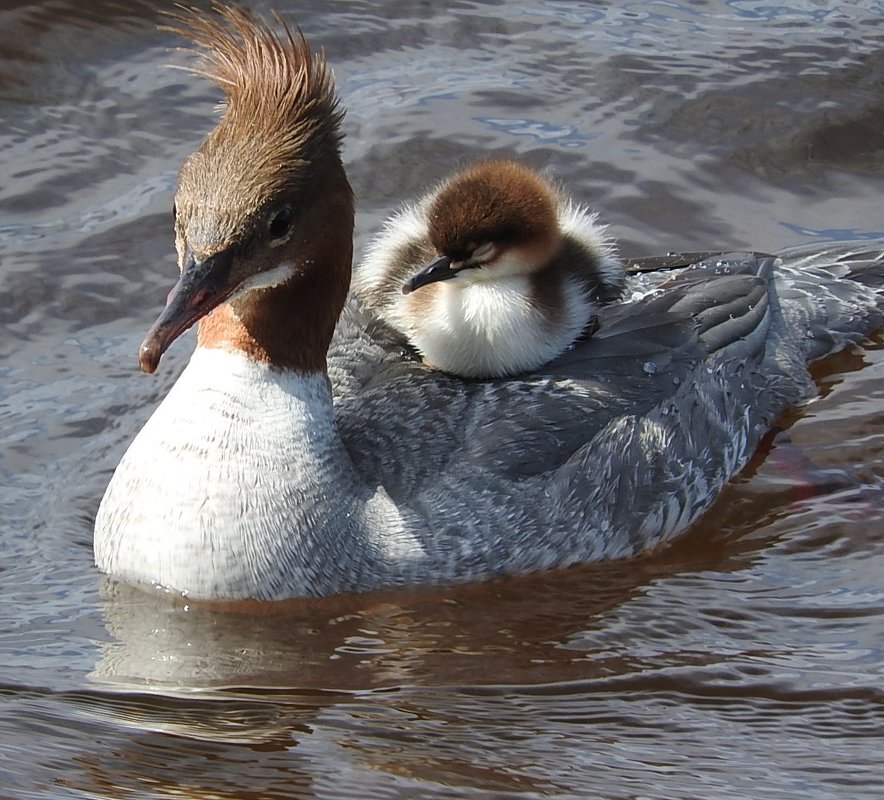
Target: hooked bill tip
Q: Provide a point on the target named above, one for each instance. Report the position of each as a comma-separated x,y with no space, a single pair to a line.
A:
407,288
149,357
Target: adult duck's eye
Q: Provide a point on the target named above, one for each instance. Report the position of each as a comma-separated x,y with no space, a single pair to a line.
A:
280,222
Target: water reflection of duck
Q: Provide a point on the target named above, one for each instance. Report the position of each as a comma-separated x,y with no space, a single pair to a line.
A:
494,272
248,482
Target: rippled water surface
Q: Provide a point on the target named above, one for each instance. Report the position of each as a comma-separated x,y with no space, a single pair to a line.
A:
745,661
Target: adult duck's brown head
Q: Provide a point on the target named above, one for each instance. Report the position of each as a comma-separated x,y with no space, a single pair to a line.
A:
263,209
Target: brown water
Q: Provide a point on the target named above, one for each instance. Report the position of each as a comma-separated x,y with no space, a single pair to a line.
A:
746,661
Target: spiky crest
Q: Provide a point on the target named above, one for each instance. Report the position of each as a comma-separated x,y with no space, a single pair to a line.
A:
281,114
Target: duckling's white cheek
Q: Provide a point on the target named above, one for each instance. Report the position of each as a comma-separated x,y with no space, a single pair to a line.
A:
512,262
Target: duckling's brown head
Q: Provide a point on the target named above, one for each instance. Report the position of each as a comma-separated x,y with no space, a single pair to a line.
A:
494,218
263,209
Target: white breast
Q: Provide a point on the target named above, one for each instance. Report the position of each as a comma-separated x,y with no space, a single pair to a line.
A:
210,494
492,328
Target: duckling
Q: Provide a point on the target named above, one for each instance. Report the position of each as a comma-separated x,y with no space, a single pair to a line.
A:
494,272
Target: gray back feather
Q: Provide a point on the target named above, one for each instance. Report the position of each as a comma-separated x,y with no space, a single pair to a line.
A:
624,439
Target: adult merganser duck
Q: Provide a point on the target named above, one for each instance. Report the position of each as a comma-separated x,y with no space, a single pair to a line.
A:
494,272
248,482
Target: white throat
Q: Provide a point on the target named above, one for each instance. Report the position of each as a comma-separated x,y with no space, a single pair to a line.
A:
237,485
494,327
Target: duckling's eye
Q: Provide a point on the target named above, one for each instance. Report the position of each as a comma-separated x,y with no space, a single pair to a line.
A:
174,211
483,251
280,222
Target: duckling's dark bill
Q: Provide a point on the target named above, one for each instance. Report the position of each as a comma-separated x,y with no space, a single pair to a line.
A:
439,270
203,285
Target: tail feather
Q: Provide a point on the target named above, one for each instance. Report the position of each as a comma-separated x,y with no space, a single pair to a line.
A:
833,296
